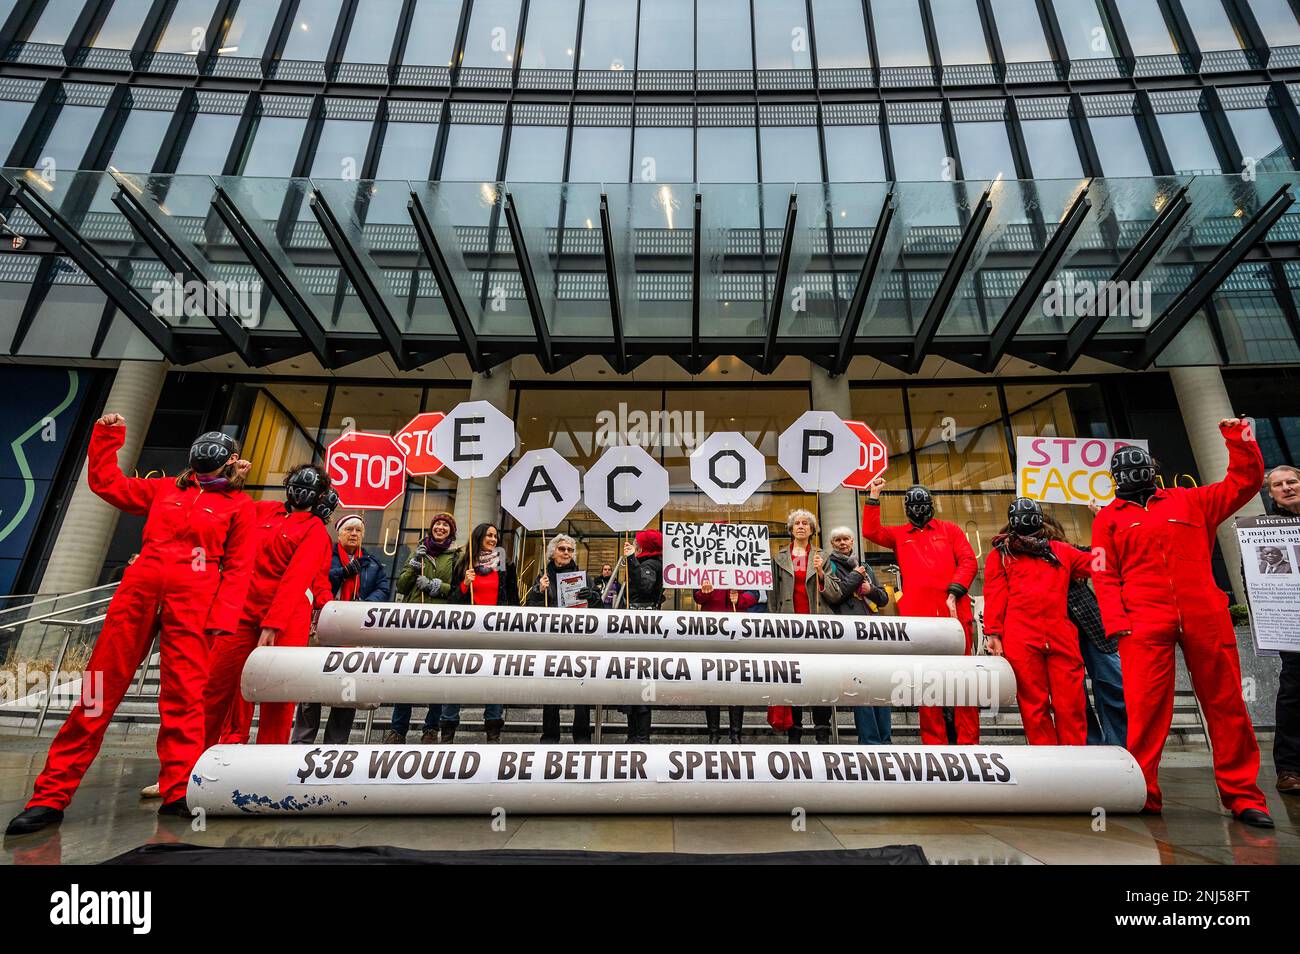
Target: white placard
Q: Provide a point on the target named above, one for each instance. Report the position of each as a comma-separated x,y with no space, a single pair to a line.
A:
473,439
818,451
1068,470
731,556
1270,557
568,585
541,489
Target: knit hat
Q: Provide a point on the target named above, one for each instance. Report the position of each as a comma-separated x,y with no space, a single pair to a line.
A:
450,520
347,518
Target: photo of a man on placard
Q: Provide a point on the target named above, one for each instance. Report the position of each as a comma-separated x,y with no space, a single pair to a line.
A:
1272,560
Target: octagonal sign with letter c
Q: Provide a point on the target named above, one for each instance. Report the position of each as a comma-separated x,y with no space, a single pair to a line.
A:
625,488
728,468
367,471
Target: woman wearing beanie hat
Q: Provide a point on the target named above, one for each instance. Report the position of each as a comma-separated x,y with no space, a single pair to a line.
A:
426,578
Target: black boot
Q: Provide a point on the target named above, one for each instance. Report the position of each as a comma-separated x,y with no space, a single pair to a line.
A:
736,722
448,731
823,734
713,721
493,728
178,807
34,819
1254,818
794,736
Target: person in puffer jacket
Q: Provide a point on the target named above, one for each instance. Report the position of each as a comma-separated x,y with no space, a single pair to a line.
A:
645,590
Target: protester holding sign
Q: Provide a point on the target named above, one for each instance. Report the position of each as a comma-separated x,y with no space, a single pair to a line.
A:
1026,618
645,589
560,553
796,588
711,599
483,577
851,590
937,566
1284,492
1156,589
426,579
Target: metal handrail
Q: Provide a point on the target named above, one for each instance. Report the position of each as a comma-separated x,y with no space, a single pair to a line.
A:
69,625
56,597
48,618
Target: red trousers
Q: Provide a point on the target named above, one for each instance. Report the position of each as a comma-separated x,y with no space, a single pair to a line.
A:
934,731
1049,690
176,599
1210,651
228,714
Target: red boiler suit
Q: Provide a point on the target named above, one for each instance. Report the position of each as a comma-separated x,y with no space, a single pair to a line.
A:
190,579
930,558
1156,584
292,556
719,601
1025,603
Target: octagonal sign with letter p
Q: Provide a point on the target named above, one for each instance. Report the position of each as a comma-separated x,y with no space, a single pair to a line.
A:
541,489
728,468
367,471
625,488
818,451
473,439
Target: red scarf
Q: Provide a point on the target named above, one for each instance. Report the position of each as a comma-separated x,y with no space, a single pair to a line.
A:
352,584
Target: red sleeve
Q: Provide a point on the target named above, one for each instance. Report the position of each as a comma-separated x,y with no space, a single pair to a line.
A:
995,594
1243,481
1078,562
744,600
873,530
312,553
1105,575
236,568
128,494
699,596
967,565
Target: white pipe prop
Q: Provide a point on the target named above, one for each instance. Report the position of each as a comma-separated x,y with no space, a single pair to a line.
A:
365,676
346,623
280,780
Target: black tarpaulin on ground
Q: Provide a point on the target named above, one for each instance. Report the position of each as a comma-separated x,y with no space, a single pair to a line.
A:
385,855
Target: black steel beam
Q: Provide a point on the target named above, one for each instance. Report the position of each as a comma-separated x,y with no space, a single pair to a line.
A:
696,364
1191,299
460,319
281,285
1133,265
862,290
546,350
938,306
363,280
99,271
1039,275
619,357
778,291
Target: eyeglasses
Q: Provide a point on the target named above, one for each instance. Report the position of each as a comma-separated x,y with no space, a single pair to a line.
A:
564,549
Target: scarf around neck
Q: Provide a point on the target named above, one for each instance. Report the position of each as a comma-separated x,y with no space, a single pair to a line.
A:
1013,544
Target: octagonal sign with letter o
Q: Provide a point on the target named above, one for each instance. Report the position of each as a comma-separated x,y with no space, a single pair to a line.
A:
540,489
818,451
728,468
473,439
625,488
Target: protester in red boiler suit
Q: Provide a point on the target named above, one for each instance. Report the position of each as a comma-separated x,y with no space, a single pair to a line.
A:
1027,619
937,566
193,569
1156,590
712,600
293,549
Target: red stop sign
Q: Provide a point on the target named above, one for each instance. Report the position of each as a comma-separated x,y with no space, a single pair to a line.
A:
874,459
416,439
367,471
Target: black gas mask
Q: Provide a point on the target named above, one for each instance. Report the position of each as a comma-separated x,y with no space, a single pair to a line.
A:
1134,473
918,505
210,451
325,504
1025,517
304,487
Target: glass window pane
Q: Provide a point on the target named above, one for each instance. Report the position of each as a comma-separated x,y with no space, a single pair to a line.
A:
1278,21
493,32
341,149
960,32
67,141
550,36
1211,26
122,25
1052,150
250,30
407,151
536,154
207,144
854,154
920,154
138,143
187,27
56,22
1084,28
977,458
1257,138
373,30
599,154
841,34
1119,146
1148,32
727,155
1188,142
1020,31
312,30
663,154
900,34
274,147
881,409
282,423
781,35
667,40
472,153
985,151
12,117
790,154
433,33
609,35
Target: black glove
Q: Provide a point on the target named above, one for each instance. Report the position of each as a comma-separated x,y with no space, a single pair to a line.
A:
352,568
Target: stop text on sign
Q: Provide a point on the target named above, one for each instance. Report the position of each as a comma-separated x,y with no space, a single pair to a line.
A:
367,471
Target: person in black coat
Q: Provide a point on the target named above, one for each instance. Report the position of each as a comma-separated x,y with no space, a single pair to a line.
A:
645,590
850,589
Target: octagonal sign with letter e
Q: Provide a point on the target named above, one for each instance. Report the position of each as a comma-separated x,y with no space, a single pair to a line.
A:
873,457
473,439
416,439
625,488
818,451
728,468
541,489
367,471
